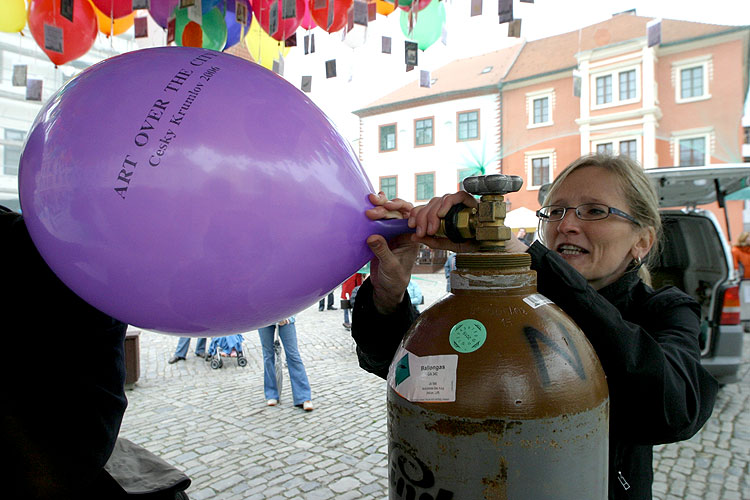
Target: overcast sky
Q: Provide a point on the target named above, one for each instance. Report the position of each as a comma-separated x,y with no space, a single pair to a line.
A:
365,74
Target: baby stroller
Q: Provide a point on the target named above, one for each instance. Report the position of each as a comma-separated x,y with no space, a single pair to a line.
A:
231,346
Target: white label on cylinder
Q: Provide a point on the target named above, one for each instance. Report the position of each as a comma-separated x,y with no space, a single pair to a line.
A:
425,379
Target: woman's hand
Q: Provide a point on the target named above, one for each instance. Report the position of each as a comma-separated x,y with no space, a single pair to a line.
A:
426,221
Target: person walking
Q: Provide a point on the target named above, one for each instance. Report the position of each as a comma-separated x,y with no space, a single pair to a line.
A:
182,349
301,394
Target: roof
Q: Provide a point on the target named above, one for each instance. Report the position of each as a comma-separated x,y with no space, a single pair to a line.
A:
553,54
557,53
457,77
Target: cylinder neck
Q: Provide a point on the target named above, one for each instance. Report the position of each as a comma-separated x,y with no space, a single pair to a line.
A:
493,271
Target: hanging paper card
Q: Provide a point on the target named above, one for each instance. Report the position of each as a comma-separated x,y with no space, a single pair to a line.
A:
288,9
410,52
33,90
307,44
505,11
141,4
653,30
372,11
349,20
278,66
273,18
425,79
444,36
140,25
312,43
409,67
331,68
527,1
360,13
476,8
19,75
240,12
291,41
171,25
184,4
514,28
53,38
386,45
66,9
306,84
329,21
195,12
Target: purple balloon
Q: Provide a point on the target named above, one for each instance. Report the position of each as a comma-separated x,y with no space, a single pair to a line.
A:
161,9
164,194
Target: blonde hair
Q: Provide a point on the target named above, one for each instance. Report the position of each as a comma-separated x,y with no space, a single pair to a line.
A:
744,239
635,186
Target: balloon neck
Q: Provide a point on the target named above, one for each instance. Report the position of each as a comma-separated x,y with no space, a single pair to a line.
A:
389,228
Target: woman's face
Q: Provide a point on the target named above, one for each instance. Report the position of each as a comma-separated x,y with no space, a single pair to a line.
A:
600,249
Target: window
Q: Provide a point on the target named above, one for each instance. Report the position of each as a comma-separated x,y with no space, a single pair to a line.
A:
423,132
541,110
468,125
629,149
604,148
627,85
616,87
604,89
387,137
12,150
389,186
540,171
691,78
693,152
691,82
747,135
463,173
425,186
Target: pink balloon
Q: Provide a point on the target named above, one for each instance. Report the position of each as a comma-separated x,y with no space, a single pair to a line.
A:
307,20
114,8
164,194
286,27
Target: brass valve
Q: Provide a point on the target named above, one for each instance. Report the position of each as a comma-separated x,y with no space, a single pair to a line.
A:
486,223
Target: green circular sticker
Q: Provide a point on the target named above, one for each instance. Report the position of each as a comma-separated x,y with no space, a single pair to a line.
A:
467,335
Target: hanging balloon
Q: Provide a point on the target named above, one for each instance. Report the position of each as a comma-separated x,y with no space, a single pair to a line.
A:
192,35
264,49
160,10
340,11
114,8
413,5
428,24
118,27
234,29
307,22
170,223
77,37
214,29
12,16
384,7
285,27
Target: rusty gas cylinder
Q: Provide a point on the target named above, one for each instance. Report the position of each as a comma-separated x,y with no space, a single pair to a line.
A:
495,393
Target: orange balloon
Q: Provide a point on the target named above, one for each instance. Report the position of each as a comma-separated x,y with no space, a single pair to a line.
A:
121,25
386,8
192,35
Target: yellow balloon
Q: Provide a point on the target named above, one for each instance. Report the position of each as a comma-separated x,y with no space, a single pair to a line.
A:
264,49
121,24
12,15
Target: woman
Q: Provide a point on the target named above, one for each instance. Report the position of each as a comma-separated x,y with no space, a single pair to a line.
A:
297,374
741,255
598,225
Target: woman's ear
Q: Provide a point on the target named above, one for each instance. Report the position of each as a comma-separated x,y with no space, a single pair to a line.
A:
643,243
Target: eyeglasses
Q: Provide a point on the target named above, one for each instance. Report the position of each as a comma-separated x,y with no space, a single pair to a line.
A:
586,211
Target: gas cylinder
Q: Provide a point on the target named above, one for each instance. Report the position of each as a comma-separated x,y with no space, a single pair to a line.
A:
494,392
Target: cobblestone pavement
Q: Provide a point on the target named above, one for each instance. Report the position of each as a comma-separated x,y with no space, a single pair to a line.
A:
214,424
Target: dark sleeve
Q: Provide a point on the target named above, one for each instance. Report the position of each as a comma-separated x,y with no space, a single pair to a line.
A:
378,336
659,392
65,397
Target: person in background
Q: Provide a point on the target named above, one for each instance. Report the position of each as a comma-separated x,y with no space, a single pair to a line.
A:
182,349
301,394
524,237
415,294
322,303
599,223
741,255
450,265
347,287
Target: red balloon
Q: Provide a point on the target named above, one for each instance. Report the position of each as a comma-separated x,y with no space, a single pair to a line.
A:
286,27
192,35
78,36
114,8
340,11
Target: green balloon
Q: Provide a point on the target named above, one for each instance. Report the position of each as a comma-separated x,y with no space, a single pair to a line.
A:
428,24
214,28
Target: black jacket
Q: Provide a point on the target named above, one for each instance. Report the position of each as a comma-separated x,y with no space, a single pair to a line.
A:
646,340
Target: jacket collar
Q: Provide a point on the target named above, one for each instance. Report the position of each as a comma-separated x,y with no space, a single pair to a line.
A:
620,293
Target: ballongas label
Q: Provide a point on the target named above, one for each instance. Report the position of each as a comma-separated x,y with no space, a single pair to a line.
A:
426,379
